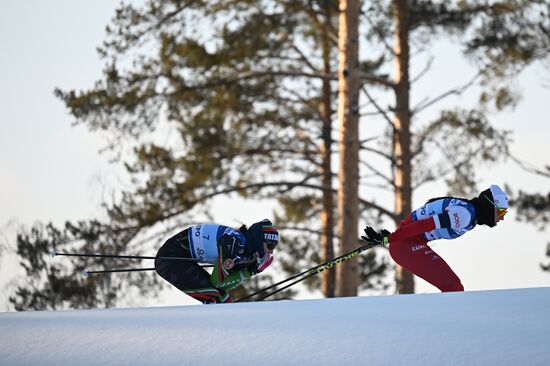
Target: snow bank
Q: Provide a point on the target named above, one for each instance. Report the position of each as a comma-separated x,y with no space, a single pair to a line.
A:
505,327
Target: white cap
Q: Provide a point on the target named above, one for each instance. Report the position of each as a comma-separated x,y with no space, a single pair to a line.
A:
499,197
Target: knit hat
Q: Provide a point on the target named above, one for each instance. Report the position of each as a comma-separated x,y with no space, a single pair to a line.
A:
271,235
499,197
486,202
257,234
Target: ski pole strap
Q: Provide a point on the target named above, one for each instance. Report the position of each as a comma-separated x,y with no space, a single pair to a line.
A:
310,272
124,256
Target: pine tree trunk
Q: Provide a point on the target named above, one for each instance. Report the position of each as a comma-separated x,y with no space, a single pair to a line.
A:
402,133
348,116
327,215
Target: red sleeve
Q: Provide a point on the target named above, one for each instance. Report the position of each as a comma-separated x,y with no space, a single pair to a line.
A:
412,229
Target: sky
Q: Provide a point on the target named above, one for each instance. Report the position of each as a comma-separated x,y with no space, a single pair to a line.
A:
504,327
53,171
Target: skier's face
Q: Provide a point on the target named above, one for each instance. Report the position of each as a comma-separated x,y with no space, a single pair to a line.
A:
499,214
268,249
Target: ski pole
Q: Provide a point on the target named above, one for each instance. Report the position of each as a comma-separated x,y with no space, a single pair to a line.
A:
87,273
123,256
289,285
319,269
310,272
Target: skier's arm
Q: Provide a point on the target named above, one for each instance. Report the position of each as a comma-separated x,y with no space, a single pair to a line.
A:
455,217
230,268
413,229
230,255
236,277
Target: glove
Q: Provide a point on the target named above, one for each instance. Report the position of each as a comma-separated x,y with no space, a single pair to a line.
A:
231,252
379,238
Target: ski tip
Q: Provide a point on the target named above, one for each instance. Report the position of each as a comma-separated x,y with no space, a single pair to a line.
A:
53,253
85,273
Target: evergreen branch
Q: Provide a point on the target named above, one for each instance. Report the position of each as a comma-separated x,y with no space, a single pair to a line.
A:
157,236
262,151
314,75
242,188
294,61
288,184
132,39
242,77
257,75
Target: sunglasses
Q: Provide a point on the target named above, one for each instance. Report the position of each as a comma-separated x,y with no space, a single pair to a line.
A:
271,245
501,211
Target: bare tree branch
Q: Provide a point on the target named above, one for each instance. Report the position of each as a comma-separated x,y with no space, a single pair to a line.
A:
376,80
528,167
381,35
378,108
390,158
378,173
455,91
424,71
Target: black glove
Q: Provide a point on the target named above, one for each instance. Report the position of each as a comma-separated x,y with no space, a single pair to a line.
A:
231,250
379,238
252,266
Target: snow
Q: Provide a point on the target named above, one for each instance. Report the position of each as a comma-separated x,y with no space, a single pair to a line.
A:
502,327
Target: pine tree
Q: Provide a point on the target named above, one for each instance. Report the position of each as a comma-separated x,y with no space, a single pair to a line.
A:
51,284
453,144
249,106
206,99
348,120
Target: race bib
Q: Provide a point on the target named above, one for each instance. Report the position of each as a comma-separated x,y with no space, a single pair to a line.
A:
203,242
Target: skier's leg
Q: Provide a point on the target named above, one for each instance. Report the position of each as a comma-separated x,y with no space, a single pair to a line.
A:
417,257
192,279
188,277
176,246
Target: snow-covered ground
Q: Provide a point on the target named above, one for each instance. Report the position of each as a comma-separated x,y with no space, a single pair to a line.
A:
504,327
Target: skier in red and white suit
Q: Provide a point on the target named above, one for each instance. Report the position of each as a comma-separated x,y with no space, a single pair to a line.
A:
439,218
